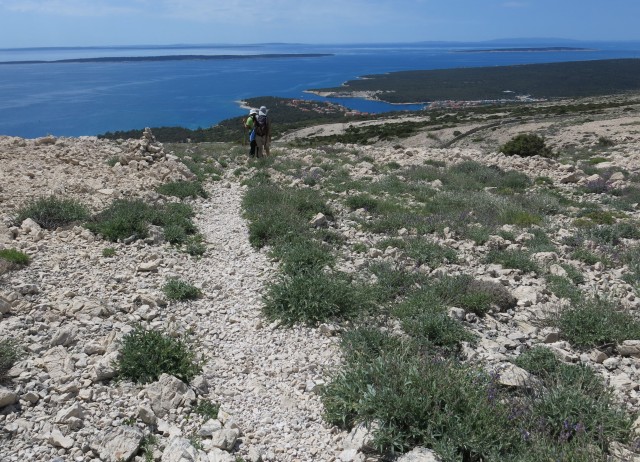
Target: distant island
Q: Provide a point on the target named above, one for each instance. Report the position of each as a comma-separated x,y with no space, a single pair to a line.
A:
526,50
523,82
125,59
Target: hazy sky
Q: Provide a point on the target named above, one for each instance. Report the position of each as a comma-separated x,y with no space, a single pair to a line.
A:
25,23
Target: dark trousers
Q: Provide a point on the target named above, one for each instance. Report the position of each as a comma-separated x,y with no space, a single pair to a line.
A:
252,150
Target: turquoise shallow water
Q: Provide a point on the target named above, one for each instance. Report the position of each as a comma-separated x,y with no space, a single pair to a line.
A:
74,99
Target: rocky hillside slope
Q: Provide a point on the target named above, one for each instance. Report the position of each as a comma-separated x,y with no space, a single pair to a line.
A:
70,307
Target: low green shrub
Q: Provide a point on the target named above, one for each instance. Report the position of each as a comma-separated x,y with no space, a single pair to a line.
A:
330,237
462,412
606,142
471,175
394,282
573,400
10,353
429,253
544,364
108,252
543,180
302,255
207,409
599,217
624,198
112,161
595,322
573,273
612,234
182,189
514,259
195,246
175,214
122,219
526,145
146,354
422,401
365,343
312,297
540,242
475,295
53,212
359,247
146,447
539,361
280,214
563,287
126,218
175,289
424,317
15,257
175,234
362,201
586,256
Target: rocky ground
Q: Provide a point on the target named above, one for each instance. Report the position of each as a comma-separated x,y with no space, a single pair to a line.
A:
71,305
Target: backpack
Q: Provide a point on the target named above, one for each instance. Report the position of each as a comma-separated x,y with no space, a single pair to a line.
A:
260,125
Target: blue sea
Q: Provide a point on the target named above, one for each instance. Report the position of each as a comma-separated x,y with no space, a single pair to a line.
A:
90,98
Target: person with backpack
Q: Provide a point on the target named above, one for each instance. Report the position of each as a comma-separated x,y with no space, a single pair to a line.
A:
262,128
250,124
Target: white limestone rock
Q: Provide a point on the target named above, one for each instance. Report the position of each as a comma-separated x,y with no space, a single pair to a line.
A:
181,450
225,439
58,440
7,397
419,455
118,443
168,393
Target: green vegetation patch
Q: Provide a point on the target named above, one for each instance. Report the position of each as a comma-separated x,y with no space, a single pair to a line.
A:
429,253
475,295
526,145
194,245
207,409
595,322
424,317
176,289
10,353
500,197
147,354
563,287
53,212
514,259
420,401
128,219
123,219
312,297
108,252
183,189
463,413
277,214
14,257
573,401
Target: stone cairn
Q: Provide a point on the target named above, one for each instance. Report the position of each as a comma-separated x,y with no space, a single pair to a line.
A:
147,149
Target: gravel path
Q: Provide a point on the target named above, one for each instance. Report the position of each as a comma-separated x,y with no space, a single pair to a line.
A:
261,374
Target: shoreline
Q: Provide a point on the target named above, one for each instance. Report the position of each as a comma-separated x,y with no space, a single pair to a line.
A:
130,59
365,95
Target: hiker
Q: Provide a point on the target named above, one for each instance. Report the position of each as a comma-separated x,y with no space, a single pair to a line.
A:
250,124
262,128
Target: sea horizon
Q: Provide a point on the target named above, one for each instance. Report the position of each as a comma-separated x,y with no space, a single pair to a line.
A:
90,95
